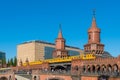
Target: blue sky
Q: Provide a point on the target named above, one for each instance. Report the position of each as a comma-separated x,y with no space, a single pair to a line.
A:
25,20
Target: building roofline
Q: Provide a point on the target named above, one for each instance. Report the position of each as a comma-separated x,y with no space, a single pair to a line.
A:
40,41
2,52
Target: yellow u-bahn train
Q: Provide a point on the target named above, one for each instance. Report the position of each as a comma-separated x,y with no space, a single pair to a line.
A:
65,59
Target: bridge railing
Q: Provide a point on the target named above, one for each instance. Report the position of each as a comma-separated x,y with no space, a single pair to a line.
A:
6,72
58,72
21,72
114,74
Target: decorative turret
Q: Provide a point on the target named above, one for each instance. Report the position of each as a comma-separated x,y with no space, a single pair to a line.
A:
94,32
60,41
60,46
94,44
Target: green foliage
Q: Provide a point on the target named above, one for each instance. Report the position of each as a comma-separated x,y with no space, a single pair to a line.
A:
3,61
15,61
12,62
8,63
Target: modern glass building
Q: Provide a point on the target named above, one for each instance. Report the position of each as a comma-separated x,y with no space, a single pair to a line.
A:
49,51
2,55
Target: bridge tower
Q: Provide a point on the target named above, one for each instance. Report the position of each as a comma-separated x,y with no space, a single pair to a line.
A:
94,44
60,46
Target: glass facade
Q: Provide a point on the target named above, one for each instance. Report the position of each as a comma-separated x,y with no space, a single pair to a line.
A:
73,53
49,51
2,55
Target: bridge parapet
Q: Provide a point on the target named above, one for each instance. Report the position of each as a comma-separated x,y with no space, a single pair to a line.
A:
112,74
6,71
52,72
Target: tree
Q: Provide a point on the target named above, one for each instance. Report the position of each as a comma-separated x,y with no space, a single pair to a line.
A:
11,62
15,61
8,63
3,62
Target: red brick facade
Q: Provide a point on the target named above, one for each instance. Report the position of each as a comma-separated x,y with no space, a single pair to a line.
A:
99,64
57,77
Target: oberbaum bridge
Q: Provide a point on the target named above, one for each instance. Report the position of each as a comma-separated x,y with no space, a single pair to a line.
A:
93,64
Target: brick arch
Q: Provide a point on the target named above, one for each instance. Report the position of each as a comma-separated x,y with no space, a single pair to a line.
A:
88,68
93,68
84,69
3,78
56,78
59,67
115,68
109,68
98,68
103,68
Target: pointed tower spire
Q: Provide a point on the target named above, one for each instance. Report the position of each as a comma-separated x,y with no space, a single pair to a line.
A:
60,32
94,25
94,20
93,13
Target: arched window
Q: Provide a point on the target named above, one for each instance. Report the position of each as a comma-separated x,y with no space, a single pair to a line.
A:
98,68
103,68
115,68
88,68
84,69
93,68
109,68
